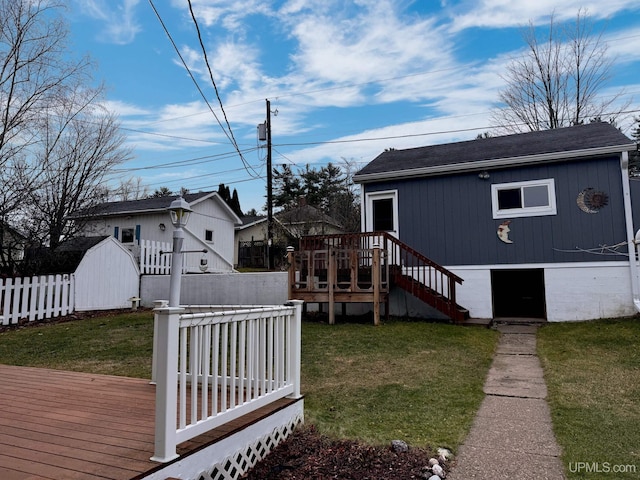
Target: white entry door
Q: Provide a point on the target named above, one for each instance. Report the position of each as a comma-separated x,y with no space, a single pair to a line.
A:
381,213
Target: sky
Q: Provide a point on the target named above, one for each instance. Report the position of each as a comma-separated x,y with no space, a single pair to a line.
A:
346,79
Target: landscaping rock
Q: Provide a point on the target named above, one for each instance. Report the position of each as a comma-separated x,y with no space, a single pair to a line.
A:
437,470
399,446
444,454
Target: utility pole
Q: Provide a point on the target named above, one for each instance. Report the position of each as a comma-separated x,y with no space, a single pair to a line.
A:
269,191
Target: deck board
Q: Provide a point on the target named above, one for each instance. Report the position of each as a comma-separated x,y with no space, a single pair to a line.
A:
58,425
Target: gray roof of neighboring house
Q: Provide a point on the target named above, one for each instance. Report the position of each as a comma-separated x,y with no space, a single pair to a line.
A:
80,244
148,205
305,214
300,214
145,205
598,138
249,220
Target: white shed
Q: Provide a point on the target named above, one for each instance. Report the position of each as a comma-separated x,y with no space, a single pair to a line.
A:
106,277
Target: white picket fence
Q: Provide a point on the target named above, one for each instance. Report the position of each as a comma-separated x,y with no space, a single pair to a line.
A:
155,257
36,298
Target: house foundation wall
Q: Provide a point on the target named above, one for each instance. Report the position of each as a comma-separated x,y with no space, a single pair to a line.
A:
262,288
573,292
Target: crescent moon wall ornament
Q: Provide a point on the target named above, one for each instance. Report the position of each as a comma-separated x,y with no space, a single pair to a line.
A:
592,201
503,231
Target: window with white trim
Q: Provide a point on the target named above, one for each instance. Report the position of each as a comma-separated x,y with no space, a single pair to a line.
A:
208,236
524,199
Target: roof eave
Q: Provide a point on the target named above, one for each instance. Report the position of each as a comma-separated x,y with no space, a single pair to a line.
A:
119,213
493,163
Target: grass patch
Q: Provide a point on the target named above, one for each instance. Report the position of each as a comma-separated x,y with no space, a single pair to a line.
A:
114,345
592,371
415,381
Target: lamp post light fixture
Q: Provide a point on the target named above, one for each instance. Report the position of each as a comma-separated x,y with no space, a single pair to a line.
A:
180,210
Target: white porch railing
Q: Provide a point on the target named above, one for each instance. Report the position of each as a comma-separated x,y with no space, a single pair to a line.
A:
35,298
213,367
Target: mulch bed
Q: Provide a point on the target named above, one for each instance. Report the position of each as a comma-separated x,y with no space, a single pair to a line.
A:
308,455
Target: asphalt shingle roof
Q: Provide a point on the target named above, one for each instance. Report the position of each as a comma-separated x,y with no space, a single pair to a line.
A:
143,205
581,137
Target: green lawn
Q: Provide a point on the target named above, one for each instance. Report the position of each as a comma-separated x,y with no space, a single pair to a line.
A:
592,371
116,345
415,381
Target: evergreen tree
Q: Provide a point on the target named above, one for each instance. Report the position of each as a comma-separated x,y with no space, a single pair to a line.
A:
235,203
232,200
286,187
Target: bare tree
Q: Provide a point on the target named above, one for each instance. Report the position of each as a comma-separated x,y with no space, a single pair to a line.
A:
35,72
557,82
57,145
34,68
80,144
131,189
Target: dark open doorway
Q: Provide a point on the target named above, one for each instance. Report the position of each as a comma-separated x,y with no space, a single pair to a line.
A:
518,293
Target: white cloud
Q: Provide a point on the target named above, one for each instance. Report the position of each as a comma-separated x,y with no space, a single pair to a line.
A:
404,135
230,15
125,109
172,127
517,13
120,25
372,44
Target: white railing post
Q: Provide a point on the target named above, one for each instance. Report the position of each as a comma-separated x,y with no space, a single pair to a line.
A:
294,348
167,321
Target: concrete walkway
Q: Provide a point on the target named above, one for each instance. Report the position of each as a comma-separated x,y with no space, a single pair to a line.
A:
511,437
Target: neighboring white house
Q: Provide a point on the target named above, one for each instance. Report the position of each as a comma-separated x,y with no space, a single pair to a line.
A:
209,235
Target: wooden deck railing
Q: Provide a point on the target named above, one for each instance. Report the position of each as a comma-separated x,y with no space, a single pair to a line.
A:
215,366
408,268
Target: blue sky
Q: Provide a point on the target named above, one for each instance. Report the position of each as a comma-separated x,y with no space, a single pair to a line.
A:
346,79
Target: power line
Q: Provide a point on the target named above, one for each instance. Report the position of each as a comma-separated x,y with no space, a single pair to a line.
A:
215,87
165,135
186,162
229,135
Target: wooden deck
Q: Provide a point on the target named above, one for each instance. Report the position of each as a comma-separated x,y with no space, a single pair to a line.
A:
60,425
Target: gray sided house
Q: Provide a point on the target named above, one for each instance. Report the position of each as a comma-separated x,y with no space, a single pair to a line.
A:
536,224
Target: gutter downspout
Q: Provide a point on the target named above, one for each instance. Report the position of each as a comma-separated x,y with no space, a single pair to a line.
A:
631,237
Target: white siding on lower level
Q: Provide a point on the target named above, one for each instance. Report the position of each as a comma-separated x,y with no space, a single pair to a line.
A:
573,291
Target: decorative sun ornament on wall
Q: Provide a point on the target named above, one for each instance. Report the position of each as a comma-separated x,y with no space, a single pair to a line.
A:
592,201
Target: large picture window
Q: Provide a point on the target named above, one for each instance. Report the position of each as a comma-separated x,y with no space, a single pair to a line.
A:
524,199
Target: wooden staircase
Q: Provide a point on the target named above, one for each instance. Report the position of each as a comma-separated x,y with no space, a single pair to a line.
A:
341,262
